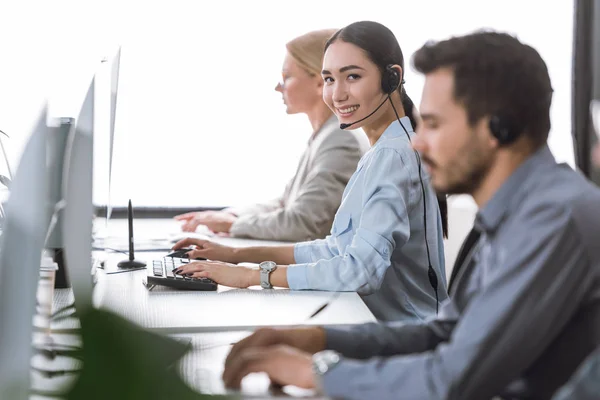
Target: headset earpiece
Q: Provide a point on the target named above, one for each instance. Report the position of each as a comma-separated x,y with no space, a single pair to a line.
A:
503,130
390,80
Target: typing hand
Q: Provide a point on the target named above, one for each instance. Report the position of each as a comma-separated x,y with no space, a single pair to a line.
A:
207,249
216,221
306,339
285,365
220,272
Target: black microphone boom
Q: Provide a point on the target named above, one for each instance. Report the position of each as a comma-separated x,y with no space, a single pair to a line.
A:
131,263
344,126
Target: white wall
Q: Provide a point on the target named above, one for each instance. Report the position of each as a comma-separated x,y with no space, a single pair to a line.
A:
197,112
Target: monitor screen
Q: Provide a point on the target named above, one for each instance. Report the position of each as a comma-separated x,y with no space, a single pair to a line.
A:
77,194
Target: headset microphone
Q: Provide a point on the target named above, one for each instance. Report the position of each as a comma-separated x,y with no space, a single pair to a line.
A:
344,126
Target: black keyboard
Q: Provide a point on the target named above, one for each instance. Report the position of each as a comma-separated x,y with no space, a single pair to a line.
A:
162,274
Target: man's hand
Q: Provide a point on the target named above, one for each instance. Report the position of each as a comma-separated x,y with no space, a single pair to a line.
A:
209,250
216,221
307,339
285,365
222,273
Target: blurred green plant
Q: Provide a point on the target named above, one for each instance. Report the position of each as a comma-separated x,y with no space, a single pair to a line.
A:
122,361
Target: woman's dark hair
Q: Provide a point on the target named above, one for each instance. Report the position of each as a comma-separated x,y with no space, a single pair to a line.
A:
382,48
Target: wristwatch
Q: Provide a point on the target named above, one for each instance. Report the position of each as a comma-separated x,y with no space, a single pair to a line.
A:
322,362
266,267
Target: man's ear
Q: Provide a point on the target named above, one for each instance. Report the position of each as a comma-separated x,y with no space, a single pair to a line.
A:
483,129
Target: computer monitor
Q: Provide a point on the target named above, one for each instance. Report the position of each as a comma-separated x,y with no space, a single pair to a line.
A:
22,242
106,79
77,193
114,89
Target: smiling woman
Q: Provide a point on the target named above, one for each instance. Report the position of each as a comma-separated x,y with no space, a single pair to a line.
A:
386,240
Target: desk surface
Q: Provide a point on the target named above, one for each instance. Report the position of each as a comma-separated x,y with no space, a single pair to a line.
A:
161,233
212,320
177,311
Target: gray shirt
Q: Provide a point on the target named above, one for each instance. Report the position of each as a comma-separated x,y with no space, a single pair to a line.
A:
306,208
520,320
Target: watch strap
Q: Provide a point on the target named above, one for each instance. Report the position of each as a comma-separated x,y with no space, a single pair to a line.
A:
264,279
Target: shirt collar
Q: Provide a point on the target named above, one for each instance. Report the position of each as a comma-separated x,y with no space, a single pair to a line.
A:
395,129
489,217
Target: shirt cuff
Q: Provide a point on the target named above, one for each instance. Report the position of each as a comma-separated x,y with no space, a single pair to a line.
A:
335,383
237,227
302,252
296,277
338,339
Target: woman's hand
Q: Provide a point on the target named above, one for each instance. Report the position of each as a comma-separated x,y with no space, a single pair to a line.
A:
216,221
222,273
209,250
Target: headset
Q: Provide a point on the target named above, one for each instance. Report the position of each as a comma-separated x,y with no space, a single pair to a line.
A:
390,82
504,129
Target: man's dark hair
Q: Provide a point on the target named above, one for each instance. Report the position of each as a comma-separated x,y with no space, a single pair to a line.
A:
495,75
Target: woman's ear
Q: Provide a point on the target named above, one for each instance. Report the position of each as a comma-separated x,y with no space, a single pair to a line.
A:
320,86
400,72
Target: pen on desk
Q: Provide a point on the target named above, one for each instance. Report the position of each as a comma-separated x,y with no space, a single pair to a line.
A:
324,306
318,310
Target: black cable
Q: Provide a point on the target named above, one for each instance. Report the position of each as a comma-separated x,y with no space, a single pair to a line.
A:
430,272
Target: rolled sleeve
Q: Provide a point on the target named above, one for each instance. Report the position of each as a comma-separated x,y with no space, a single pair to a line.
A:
306,253
296,277
314,250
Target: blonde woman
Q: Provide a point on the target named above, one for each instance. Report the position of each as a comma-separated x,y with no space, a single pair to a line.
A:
309,202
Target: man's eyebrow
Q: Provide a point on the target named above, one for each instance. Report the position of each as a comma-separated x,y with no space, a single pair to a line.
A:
428,116
343,69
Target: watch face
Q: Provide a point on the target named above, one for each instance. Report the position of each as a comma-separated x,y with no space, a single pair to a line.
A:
324,360
267,265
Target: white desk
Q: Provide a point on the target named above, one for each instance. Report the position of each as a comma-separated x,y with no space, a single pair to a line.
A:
212,320
162,233
175,311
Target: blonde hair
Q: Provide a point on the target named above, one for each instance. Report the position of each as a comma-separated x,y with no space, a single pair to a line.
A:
308,49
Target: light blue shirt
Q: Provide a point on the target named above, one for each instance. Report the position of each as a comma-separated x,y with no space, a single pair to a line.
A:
377,241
